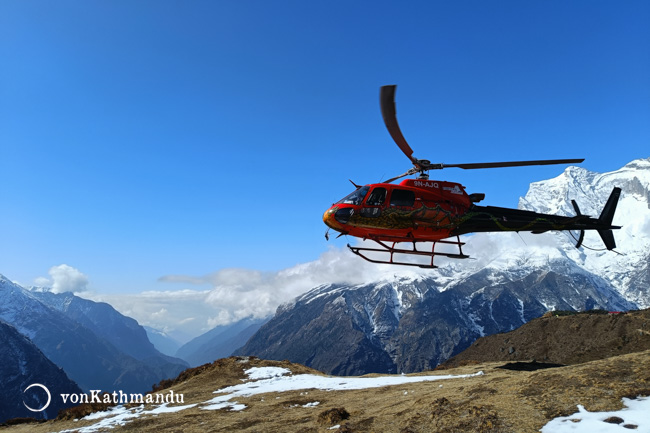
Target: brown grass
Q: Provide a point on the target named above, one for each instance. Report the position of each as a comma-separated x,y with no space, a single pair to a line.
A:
499,401
333,416
80,411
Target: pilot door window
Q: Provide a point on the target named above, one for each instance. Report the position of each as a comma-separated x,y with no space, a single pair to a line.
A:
377,197
375,200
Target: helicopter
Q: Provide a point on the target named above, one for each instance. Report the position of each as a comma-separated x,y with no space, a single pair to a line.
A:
419,210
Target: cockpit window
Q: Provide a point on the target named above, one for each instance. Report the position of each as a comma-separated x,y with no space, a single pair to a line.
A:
402,197
356,197
377,197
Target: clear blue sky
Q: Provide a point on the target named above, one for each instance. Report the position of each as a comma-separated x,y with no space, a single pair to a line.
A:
146,138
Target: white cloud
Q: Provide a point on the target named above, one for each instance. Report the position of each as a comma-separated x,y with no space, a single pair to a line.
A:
232,294
160,314
181,313
240,293
42,282
236,293
64,278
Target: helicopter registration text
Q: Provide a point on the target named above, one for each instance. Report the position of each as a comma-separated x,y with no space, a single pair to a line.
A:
426,184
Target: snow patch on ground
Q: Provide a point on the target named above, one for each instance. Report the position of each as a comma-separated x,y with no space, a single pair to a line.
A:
635,416
257,373
120,415
260,380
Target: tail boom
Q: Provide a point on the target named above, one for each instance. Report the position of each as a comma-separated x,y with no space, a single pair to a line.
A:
494,219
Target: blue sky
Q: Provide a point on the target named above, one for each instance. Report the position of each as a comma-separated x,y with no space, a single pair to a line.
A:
140,139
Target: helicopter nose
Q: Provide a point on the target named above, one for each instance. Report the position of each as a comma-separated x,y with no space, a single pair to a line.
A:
337,217
329,219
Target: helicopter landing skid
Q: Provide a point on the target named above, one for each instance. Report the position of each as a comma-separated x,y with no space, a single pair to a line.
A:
391,250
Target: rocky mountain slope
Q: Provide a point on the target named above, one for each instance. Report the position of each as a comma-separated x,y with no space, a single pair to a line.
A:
629,271
219,342
21,365
162,341
412,324
409,325
121,331
90,360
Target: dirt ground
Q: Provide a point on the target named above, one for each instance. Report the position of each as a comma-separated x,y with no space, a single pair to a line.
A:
500,400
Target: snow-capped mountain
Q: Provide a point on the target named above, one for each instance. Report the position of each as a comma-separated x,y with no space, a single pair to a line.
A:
408,324
628,271
121,331
89,359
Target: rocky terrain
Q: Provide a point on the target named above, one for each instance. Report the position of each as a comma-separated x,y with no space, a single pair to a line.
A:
487,392
410,325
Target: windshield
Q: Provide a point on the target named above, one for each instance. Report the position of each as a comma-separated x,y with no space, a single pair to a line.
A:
356,197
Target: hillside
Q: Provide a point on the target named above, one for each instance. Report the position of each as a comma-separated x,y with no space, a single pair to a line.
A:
252,395
564,339
22,364
486,399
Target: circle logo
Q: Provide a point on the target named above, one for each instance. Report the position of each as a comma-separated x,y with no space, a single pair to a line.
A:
47,391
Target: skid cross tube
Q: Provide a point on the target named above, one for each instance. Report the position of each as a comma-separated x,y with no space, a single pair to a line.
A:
391,250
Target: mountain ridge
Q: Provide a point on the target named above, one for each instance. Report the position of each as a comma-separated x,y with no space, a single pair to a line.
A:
422,321
21,365
92,361
219,342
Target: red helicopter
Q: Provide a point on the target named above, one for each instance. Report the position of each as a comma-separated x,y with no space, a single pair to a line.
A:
420,210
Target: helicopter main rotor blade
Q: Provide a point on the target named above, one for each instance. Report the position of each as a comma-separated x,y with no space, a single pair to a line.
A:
388,112
387,103
471,166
